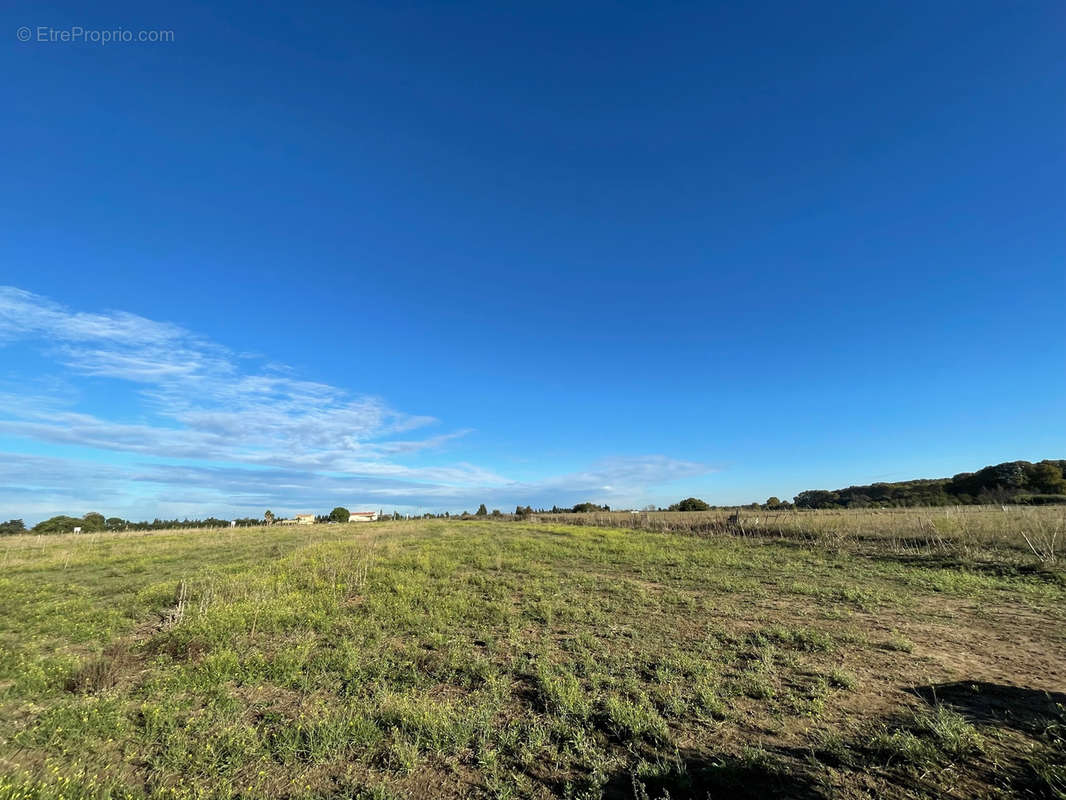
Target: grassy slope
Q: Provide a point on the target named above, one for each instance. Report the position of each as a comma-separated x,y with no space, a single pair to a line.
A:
501,659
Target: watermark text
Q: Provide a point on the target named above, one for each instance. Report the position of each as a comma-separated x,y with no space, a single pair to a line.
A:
76,34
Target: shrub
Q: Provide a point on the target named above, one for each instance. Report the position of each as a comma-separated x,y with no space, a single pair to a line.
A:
12,526
690,504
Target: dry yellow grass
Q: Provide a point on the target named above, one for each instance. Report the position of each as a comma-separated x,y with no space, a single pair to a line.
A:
1011,531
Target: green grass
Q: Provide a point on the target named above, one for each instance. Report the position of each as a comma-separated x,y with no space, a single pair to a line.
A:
481,659
929,736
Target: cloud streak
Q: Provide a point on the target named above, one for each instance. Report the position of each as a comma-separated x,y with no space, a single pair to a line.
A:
208,406
255,436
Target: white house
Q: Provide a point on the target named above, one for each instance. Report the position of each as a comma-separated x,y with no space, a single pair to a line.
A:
362,516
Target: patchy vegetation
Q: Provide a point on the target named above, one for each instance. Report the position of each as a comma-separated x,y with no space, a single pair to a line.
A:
531,659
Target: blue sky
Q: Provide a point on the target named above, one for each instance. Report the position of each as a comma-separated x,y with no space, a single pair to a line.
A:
421,256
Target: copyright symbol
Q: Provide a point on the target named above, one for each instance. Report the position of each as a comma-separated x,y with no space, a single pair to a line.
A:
23,34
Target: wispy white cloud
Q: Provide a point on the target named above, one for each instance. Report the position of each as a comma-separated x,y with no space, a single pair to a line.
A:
208,405
269,437
33,486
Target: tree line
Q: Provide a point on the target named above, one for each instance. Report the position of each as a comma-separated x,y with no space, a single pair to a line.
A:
1015,482
94,522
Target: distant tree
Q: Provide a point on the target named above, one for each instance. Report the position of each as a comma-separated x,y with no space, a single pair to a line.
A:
268,517
1009,482
690,504
93,522
12,526
58,524
114,523
496,512
339,514
522,512
482,511
773,502
994,496
816,498
1047,478
585,508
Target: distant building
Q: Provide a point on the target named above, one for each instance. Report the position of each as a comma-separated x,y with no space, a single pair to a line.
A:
363,516
305,519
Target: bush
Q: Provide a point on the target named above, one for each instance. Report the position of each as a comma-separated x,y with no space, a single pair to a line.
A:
1040,499
12,526
690,504
59,524
93,521
586,508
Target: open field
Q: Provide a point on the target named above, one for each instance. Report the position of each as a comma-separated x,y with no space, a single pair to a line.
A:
904,653
1011,533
